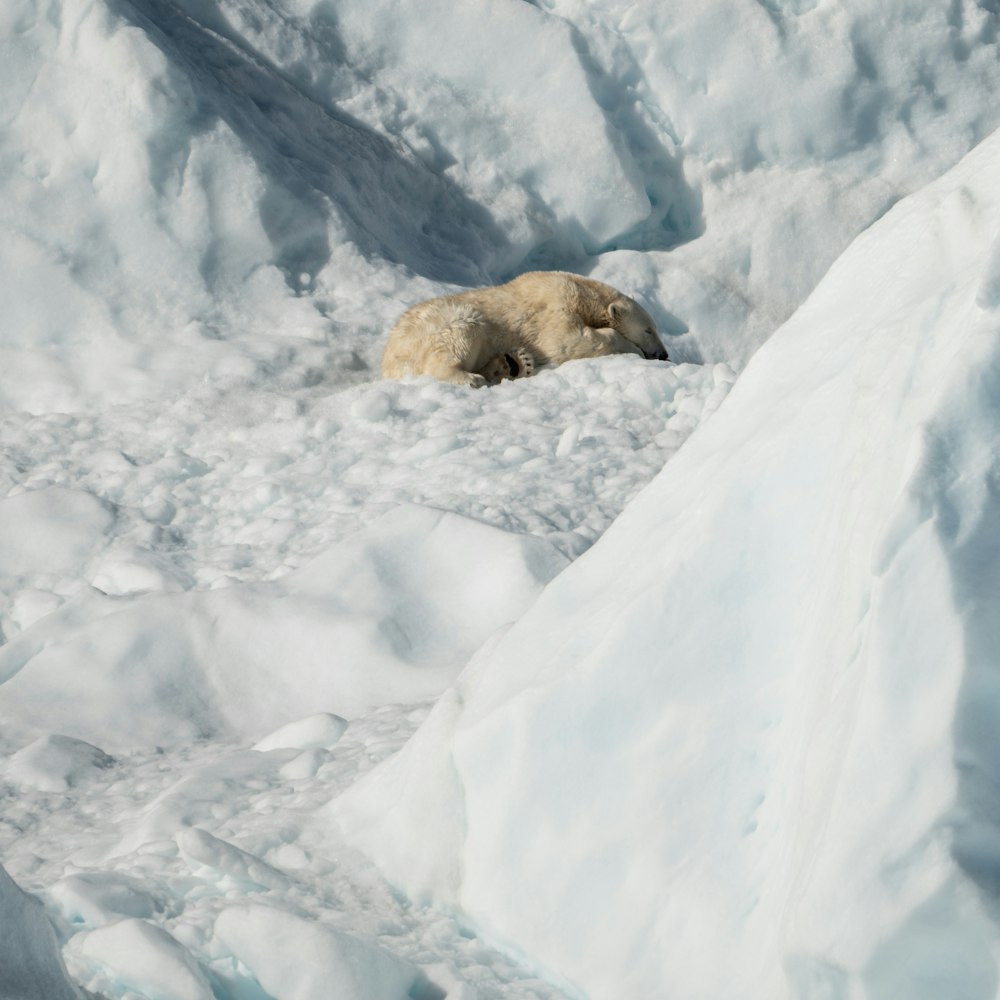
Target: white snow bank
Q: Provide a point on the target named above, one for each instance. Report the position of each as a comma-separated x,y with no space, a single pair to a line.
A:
54,763
730,728
321,731
389,614
769,135
298,959
50,532
203,851
135,955
500,88
31,967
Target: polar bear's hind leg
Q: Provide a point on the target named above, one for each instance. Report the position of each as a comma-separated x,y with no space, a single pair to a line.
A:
517,364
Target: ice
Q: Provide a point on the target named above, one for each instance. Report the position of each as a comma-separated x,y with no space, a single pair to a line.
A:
727,729
30,965
95,900
136,955
317,731
295,959
50,532
54,763
710,755
200,848
391,613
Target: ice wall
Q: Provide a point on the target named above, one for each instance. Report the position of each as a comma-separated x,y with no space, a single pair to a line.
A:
738,747
31,967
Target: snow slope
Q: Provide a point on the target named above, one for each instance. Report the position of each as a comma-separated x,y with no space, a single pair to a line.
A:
758,719
223,572
231,560
31,967
254,190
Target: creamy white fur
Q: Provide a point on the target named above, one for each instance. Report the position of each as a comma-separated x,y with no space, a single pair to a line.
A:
544,317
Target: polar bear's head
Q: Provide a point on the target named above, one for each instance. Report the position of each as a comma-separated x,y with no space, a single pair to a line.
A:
636,325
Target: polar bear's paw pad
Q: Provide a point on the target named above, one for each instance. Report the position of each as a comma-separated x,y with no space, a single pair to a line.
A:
520,364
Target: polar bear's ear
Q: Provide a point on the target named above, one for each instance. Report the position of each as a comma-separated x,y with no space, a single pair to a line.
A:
616,310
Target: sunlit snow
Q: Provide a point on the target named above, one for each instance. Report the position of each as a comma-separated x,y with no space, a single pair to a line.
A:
644,679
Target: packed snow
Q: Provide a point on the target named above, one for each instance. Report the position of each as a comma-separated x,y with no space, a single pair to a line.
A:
781,784
631,678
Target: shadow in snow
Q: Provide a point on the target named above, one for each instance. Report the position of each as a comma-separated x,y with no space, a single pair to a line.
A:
320,161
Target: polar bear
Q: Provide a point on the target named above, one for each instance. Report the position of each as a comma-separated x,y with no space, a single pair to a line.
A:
484,335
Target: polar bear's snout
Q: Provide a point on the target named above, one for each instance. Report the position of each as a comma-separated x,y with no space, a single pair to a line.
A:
650,344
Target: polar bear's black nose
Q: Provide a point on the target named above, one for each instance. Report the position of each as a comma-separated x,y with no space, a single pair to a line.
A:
659,354
512,366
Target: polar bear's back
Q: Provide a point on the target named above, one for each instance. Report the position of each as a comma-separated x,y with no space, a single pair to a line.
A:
450,326
556,294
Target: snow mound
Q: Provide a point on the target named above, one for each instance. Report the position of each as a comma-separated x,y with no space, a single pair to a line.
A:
297,959
389,614
31,967
202,851
135,955
757,719
50,532
54,763
322,731
97,899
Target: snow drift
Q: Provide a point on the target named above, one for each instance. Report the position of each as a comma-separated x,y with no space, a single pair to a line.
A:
390,614
746,745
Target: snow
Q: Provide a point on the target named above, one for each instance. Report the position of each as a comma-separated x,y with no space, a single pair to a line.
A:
293,957
54,763
778,785
392,612
143,958
31,967
737,741
322,731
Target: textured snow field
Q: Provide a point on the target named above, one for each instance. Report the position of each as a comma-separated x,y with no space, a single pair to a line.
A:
227,493
238,572
175,839
245,485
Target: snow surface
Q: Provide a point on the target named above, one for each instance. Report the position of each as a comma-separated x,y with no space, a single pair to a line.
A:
238,572
759,717
31,967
